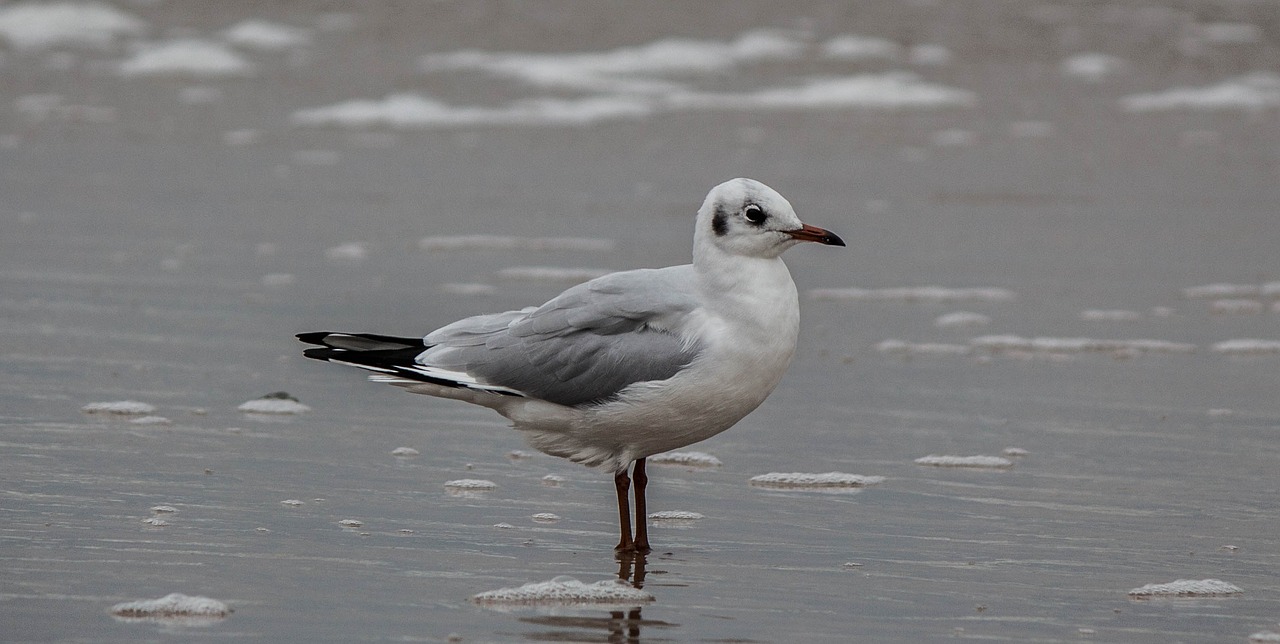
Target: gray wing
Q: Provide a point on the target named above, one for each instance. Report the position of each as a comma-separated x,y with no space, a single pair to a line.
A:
581,347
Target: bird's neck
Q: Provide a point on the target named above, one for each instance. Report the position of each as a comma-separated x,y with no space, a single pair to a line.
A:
747,287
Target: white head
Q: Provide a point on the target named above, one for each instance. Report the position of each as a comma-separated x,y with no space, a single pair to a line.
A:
746,217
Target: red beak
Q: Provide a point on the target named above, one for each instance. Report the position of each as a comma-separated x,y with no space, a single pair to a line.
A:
815,234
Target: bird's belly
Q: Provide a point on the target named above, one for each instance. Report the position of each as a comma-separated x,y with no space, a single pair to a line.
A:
650,418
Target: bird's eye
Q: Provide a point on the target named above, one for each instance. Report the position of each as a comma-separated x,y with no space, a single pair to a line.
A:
754,214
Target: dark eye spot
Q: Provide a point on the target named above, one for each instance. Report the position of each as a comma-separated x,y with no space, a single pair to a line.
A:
720,222
754,214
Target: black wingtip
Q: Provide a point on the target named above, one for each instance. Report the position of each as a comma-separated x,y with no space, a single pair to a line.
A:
313,337
319,353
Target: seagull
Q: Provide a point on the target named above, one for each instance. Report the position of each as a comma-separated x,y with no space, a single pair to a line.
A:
627,365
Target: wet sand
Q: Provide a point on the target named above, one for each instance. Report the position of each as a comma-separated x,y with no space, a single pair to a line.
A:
166,247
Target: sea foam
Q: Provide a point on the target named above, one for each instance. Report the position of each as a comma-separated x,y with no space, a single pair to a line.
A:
565,590
685,459
806,480
1049,345
413,111
1252,92
186,57
935,460
628,69
1245,347
636,82
1187,588
274,403
119,407
34,26
266,36
1093,67
193,610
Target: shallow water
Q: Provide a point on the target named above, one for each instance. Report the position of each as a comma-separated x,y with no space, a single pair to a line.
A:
164,237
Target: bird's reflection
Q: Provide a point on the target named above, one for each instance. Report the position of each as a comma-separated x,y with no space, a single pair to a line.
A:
617,626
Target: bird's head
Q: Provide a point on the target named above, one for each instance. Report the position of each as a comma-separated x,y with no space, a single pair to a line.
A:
746,217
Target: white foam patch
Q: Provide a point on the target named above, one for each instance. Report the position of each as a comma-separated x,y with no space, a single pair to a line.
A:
404,452
889,91
163,509
852,47
474,485
266,36
1109,315
1188,588
347,253
1245,347
937,460
914,294
674,516
1264,637
273,404
893,91
627,69
1224,290
1014,451
293,503
566,591
175,607
414,111
120,407
553,480
186,57
961,319
1253,92
151,420
1047,345
637,82
507,242
684,459
351,523
546,517
156,522
34,26
803,480
551,273
902,347
468,288
1093,67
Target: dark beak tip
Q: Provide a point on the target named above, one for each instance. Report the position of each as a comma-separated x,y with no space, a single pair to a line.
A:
833,239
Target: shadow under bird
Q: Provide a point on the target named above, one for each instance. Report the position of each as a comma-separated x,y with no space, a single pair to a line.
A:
630,364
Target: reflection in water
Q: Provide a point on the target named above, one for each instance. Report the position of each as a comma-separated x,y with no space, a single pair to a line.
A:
618,626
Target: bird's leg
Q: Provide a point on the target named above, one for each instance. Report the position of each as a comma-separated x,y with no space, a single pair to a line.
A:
642,514
623,486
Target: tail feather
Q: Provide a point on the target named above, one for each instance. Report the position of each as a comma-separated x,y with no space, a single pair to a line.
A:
393,358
